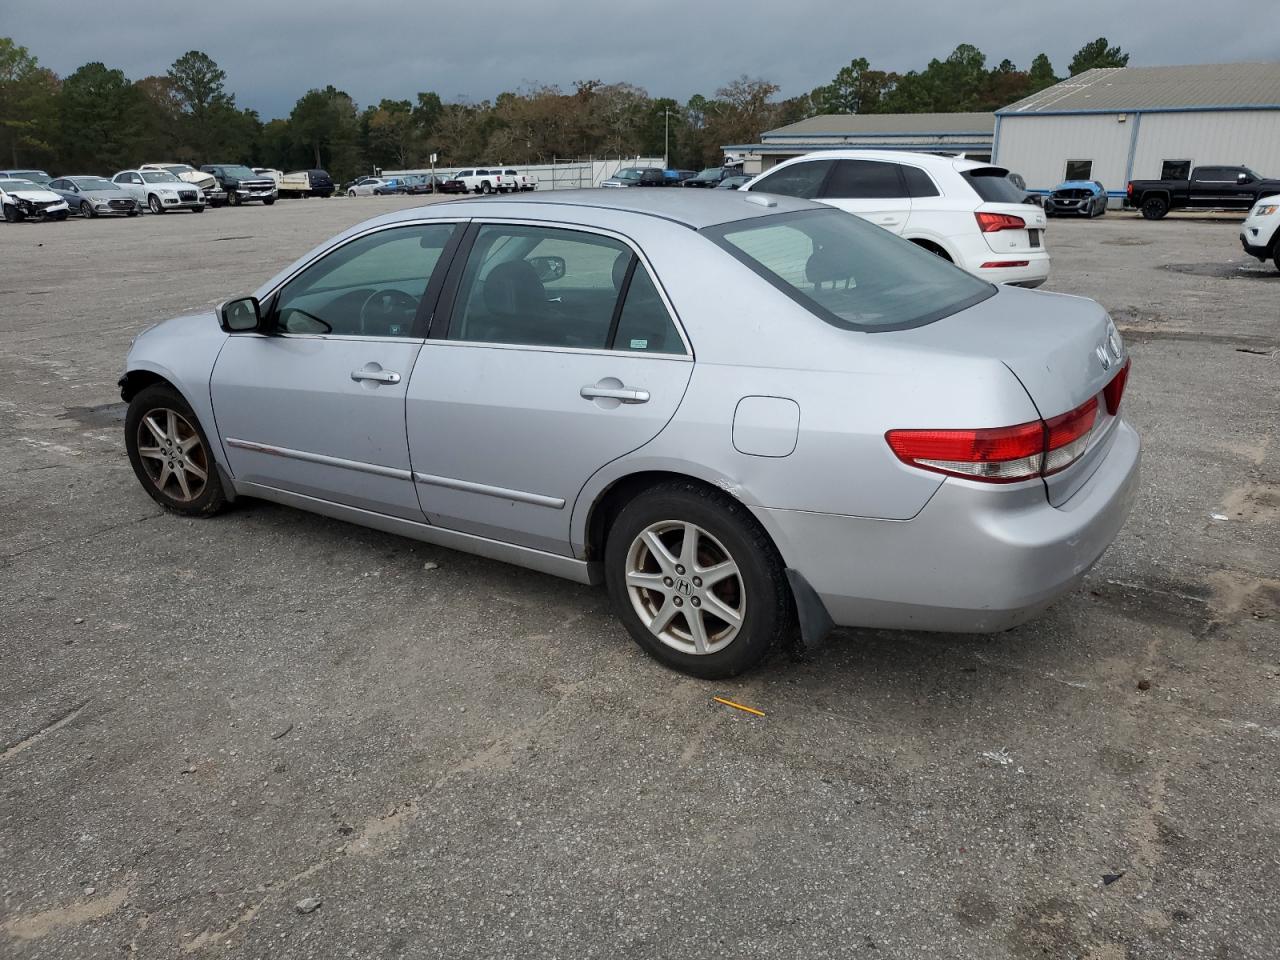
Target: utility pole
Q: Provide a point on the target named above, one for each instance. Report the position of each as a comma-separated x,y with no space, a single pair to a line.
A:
666,138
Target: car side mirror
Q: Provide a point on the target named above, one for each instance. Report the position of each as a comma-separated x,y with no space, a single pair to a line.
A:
1243,178
548,268
242,315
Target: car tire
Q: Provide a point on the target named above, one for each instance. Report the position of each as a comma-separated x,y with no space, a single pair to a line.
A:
1154,208
1276,255
86,210
12,214
197,209
134,212
154,204
726,537
351,193
486,187
268,201
61,215
168,450
233,198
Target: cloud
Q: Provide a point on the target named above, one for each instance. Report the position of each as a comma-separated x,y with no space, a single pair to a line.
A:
273,52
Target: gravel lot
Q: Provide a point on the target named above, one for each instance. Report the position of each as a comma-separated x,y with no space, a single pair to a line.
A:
203,723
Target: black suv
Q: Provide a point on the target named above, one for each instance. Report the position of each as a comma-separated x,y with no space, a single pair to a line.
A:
241,183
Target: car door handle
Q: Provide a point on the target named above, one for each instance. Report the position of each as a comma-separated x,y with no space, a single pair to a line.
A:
625,394
378,376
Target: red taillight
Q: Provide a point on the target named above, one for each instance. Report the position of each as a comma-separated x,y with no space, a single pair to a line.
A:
1005,263
1129,188
1067,436
995,222
1000,454
1114,390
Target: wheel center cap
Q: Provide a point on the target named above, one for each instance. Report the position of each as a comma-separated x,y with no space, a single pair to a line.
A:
683,587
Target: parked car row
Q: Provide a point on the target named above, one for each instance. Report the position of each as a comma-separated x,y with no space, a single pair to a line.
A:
471,180
151,187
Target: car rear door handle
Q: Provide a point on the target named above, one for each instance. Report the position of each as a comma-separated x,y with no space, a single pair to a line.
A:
378,376
595,391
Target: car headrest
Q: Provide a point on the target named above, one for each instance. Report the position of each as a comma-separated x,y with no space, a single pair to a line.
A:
513,288
828,266
620,268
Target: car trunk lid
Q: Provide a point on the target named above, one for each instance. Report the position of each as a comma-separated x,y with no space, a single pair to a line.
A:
1064,351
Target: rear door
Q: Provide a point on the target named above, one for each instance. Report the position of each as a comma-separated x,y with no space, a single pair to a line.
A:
1218,187
560,355
317,408
804,179
873,189
1000,197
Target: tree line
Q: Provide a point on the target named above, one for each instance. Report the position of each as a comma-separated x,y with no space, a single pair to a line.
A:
98,120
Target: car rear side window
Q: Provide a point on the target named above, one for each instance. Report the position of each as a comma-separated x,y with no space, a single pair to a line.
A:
993,185
644,324
849,272
802,180
864,180
919,183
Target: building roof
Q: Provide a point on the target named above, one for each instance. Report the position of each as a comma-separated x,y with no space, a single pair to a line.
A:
1241,86
846,124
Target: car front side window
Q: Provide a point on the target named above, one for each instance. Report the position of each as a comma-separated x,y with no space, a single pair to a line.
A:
372,286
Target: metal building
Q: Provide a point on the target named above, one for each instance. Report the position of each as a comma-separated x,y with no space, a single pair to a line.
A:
967,133
1119,124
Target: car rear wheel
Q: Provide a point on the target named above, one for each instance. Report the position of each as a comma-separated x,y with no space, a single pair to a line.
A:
1153,208
86,209
696,580
170,453
154,203
486,187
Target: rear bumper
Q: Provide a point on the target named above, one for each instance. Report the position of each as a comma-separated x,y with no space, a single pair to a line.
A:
972,251
976,559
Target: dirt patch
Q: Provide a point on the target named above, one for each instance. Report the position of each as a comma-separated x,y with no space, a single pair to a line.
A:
48,921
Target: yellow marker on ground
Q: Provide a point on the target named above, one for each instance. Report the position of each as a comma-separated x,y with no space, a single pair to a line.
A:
738,706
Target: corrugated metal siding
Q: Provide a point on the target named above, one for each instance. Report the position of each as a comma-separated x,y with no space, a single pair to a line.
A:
1250,138
1039,147
1148,88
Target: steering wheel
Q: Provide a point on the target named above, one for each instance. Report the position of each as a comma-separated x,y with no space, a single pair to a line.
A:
388,313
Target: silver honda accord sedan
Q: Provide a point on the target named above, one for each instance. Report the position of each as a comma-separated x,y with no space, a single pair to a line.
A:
744,414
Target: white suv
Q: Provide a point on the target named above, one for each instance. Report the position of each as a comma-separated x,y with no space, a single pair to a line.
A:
1260,232
967,212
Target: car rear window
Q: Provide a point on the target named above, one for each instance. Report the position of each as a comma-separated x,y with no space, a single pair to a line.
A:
849,272
993,185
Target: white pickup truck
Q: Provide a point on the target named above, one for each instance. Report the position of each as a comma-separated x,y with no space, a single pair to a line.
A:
486,180
521,181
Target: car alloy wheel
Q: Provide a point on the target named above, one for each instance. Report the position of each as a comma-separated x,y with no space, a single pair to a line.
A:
154,203
685,587
173,455
86,209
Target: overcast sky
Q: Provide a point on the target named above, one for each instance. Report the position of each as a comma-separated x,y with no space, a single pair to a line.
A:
274,50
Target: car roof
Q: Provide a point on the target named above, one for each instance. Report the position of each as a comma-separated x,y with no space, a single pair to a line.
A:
930,161
691,208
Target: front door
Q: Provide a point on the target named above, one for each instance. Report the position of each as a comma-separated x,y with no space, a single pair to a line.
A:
560,355
317,407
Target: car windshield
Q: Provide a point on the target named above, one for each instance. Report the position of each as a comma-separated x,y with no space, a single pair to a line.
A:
630,173
240,173
709,173
34,176
94,183
8,185
849,272
993,185
159,176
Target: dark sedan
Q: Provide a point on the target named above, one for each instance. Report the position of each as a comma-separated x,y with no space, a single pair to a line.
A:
1080,198
709,177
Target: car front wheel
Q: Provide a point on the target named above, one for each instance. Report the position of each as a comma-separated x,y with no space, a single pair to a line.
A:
11,213
154,203
86,209
696,580
170,453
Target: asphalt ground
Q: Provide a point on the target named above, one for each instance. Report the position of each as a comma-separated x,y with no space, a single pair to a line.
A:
205,723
